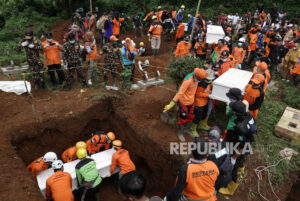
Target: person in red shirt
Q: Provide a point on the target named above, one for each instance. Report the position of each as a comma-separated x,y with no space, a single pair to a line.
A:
42,163
120,158
53,60
183,48
254,94
59,185
99,140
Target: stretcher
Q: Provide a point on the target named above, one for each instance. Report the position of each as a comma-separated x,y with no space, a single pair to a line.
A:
103,162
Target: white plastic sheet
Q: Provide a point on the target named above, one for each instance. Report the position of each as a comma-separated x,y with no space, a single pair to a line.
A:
17,87
103,162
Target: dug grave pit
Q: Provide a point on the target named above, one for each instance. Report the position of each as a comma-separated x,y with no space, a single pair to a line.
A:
34,140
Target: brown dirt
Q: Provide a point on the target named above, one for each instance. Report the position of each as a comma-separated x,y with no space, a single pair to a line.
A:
56,120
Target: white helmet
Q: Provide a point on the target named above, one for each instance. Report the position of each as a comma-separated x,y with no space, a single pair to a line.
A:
227,39
50,157
147,62
123,42
58,164
242,40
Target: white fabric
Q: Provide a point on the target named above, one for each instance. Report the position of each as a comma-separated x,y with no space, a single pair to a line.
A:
17,87
235,19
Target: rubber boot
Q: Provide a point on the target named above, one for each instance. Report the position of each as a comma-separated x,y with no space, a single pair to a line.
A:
194,130
156,52
205,123
180,133
232,186
187,129
201,125
153,52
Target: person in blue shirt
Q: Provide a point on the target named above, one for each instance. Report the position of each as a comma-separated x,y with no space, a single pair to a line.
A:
108,26
128,53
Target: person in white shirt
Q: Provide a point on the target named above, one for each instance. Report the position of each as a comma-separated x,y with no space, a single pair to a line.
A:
230,18
235,19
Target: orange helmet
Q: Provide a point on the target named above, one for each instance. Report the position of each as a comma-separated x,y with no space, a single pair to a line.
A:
258,79
117,144
113,38
200,73
111,136
262,65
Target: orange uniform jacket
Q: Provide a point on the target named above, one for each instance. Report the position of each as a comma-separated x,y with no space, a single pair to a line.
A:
226,65
156,30
196,181
174,13
252,29
187,90
253,38
267,76
296,70
99,142
201,96
148,15
122,159
219,50
266,38
116,26
255,98
52,53
93,55
37,166
198,46
59,187
182,49
180,31
262,17
69,155
159,14
238,54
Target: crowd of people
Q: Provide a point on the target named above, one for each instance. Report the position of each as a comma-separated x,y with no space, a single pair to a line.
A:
265,41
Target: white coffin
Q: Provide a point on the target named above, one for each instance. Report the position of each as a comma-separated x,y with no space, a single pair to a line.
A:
233,78
214,33
103,162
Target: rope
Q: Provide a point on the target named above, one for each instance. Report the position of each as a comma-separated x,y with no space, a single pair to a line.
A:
258,172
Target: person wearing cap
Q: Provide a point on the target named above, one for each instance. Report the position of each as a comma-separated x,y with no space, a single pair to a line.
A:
185,98
128,53
221,158
70,154
159,13
196,179
142,49
201,103
201,47
180,32
290,60
155,31
32,47
239,53
112,53
59,185
76,30
42,163
255,94
51,49
71,58
87,175
221,46
262,68
224,62
183,48
91,54
99,141
269,34
120,158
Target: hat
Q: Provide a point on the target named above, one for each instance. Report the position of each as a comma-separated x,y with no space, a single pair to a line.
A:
235,93
71,36
123,42
200,74
210,74
214,133
238,107
28,33
290,25
258,79
261,65
48,35
113,38
154,17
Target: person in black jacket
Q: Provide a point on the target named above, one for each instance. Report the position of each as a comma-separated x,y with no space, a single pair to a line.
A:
276,54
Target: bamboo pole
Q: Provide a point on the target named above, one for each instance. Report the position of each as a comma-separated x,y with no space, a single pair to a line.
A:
198,6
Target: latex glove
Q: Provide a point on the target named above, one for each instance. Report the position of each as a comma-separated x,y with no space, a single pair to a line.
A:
168,107
148,35
24,44
31,45
47,45
56,45
144,20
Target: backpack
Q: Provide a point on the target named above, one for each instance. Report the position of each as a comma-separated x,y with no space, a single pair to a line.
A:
246,129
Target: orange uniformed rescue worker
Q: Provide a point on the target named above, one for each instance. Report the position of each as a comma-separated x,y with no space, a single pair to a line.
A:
180,32
42,163
155,31
201,48
196,179
70,154
183,48
224,62
99,140
239,53
185,98
262,68
59,185
254,94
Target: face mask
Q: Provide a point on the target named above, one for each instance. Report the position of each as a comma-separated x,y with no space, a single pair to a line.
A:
186,41
224,59
49,40
232,100
240,44
72,41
